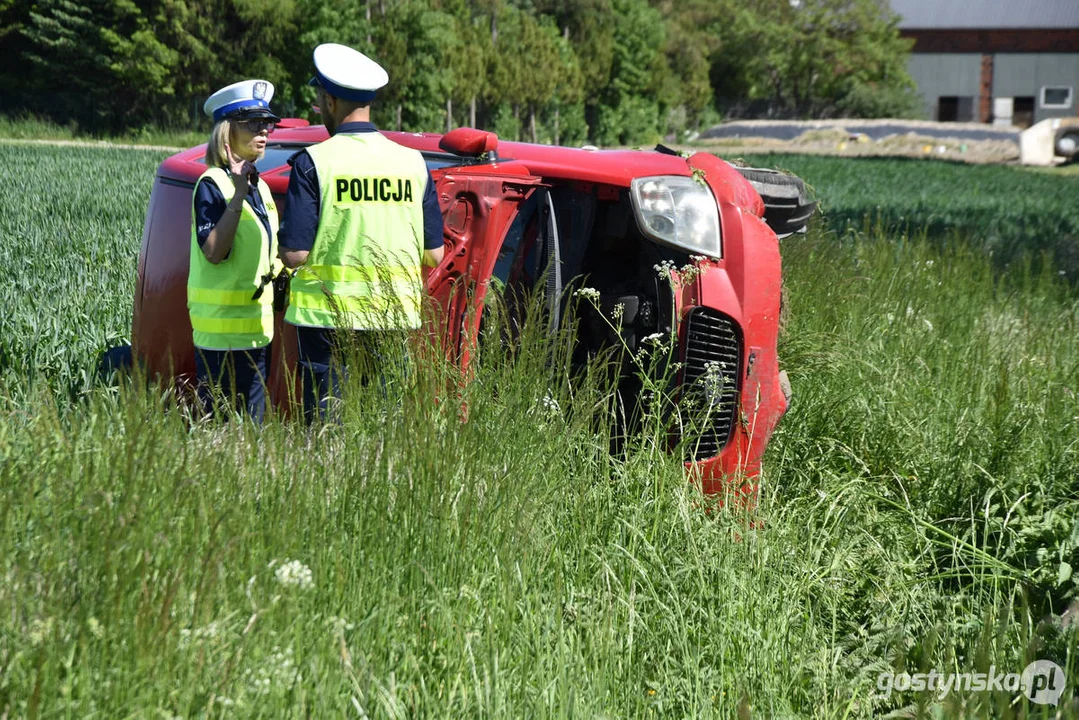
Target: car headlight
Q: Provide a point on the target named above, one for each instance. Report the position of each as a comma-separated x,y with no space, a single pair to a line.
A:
678,211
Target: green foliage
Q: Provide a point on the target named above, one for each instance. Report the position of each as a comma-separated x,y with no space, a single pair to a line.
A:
802,58
468,57
566,125
874,101
632,122
413,40
641,69
111,65
504,122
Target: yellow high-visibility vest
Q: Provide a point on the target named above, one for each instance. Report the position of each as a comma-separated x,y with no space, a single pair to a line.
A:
219,297
364,270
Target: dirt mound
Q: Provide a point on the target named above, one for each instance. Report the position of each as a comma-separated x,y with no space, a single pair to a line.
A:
868,138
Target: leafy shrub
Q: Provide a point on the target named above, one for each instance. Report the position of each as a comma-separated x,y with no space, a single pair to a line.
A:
866,100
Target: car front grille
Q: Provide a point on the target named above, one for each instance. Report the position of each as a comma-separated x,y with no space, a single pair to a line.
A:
712,357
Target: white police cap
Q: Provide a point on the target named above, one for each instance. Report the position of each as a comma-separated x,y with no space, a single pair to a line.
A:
247,98
347,74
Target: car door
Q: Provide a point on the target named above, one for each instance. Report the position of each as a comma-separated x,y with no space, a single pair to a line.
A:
479,205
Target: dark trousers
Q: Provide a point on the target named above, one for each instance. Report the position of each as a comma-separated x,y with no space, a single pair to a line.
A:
323,371
239,375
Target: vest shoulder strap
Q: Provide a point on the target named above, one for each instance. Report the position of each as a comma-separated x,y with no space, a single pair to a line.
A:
221,180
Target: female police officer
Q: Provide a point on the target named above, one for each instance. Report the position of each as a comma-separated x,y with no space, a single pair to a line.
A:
234,251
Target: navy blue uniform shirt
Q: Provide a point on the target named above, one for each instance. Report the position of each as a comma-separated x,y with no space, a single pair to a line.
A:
210,206
300,223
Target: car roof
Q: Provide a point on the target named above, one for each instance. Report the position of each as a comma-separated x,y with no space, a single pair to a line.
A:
613,167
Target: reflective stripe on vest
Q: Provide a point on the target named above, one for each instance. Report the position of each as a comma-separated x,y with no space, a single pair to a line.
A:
223,315
364,269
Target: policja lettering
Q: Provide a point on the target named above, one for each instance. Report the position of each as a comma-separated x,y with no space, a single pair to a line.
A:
348,191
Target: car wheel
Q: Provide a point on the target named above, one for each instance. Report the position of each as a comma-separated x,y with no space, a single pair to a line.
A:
114,361
787,207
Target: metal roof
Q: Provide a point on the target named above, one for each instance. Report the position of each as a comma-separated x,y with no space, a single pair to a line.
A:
986,14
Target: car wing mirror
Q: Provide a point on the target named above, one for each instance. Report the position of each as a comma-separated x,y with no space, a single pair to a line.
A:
470,142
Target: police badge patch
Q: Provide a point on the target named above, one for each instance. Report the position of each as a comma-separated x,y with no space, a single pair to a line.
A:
259,92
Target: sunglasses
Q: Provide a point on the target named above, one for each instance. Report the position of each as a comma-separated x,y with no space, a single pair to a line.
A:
257,126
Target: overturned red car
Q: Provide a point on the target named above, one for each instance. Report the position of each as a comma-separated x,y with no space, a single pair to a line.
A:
554,218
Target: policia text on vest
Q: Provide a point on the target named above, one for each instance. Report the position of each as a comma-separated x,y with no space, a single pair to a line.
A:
354,190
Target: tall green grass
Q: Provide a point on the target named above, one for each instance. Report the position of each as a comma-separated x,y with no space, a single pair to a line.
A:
485,555
510,565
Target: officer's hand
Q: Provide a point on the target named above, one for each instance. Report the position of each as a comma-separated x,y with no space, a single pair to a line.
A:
241,170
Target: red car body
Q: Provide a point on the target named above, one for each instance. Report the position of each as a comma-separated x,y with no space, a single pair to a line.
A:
725,317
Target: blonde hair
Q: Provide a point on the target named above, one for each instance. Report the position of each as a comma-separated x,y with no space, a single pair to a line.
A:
215,149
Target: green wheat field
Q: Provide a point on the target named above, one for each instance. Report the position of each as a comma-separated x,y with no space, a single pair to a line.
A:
919,503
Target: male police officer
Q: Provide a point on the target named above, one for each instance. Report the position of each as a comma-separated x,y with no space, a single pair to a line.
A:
361,216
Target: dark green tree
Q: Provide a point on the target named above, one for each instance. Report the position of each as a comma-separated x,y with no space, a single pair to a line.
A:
588,29
468,57
100,59
347,22
641,86
803,57
618,71
689,48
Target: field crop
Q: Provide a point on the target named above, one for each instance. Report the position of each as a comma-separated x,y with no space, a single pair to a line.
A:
70,223
919,512
1008,212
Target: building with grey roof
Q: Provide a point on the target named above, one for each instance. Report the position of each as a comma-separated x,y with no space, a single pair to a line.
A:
1001,61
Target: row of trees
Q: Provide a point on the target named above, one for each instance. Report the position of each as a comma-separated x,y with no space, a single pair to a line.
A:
607,71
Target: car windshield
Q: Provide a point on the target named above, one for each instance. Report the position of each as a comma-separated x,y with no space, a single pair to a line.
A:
278,155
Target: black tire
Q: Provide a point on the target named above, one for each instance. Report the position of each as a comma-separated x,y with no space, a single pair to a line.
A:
114,361
787,207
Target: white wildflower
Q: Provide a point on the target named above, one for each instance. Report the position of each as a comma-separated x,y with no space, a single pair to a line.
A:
340,625
189,636
654,339
278,670
588,293
689,273
713,381
664,269
294,573
547,409
928,324
40,630
618,311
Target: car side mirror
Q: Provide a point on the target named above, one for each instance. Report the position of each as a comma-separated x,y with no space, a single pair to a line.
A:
470,142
